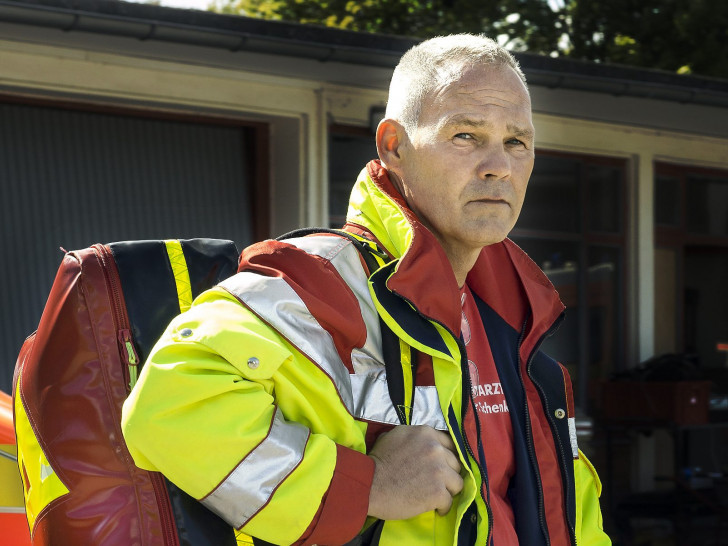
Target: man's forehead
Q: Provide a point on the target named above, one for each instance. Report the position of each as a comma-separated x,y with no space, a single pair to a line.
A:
495,83
474,104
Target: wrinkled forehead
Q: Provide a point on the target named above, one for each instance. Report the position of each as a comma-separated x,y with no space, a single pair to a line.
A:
475,88
484,81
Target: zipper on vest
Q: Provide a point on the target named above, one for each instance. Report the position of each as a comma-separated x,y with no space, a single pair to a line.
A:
131,358
567,485
469,395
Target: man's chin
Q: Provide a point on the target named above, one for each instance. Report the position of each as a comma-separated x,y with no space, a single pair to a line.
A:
494,242
490,235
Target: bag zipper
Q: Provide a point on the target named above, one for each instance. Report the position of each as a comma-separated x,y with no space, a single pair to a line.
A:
131,359
128,353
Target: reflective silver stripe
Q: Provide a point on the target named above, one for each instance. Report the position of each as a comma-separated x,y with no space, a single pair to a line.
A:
427,409
342,254
369,389
249,487
371,398
278,304
572,438
372,402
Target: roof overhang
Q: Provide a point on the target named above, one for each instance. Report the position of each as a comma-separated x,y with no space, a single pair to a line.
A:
238,33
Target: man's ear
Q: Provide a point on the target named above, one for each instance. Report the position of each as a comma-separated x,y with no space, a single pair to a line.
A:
390,137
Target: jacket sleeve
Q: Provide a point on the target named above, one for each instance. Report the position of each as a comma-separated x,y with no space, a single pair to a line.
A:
204,414
589,525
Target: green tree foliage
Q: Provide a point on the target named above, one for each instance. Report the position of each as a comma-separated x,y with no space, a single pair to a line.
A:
678,35
523,24
686,36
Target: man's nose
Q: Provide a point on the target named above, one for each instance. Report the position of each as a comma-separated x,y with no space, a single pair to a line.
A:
495,163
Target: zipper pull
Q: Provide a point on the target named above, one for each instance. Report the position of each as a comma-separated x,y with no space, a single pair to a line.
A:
131,356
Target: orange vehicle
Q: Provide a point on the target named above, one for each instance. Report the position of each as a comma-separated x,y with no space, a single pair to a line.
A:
12,507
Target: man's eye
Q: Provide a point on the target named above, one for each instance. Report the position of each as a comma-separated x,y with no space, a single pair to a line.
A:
516,142
465,136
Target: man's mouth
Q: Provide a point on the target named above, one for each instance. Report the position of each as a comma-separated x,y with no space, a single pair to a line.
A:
491,200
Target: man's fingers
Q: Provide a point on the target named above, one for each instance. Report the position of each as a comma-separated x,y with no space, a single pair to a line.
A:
452,480
445,440
400,489
454,484
452,461
450,454
444,507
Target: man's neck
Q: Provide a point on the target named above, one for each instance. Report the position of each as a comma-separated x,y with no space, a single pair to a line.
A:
462,261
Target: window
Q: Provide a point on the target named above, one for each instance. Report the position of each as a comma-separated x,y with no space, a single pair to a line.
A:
350,149
691,263
573,226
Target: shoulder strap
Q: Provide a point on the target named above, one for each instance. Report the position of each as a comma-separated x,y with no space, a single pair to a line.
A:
374,257
400,383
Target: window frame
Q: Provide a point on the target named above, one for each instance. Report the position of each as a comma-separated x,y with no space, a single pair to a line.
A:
586,387
678,238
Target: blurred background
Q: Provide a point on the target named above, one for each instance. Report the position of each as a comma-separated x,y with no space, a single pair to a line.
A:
246,119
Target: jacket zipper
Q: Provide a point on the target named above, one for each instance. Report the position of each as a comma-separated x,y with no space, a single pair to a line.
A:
548,333
131,358
529,436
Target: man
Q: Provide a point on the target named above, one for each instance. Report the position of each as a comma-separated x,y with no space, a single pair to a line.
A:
272,399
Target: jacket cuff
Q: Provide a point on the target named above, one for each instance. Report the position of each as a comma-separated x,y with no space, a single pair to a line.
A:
344,508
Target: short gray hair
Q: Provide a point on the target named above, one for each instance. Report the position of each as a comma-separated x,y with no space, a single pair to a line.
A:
439,61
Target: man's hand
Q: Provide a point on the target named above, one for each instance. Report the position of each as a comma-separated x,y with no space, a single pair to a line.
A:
416,471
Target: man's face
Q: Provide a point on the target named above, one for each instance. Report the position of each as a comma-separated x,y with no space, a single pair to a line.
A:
465,169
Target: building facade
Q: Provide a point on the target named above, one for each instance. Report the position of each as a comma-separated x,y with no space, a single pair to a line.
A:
129,121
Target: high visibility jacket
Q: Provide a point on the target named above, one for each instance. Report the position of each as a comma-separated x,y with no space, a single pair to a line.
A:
263,398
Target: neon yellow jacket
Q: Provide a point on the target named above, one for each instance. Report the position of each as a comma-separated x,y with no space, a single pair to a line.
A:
262,399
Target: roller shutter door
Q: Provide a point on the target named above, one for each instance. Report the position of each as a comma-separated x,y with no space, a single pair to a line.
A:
72,178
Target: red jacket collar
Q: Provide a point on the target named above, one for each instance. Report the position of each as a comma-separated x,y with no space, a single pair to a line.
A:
504,277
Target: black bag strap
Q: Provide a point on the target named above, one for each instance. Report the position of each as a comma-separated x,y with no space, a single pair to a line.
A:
369,250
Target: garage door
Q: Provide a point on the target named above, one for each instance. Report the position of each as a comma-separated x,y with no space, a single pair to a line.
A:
72,178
